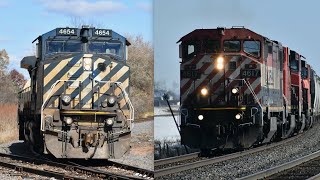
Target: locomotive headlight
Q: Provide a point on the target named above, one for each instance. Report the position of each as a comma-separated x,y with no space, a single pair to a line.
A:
220,63
66,99
220,60
109,121
235,90
238,116
200,117
204,91
68,120
87,64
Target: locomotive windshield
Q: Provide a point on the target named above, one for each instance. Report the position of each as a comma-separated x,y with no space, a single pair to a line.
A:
113,48
191,48
63,46
231,46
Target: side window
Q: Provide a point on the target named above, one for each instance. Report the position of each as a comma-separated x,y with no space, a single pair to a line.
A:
231,46
252,47
190,49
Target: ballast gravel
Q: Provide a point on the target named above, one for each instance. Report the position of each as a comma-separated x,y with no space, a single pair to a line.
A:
256,162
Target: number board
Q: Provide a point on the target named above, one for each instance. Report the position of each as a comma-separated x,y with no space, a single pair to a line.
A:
102,32
66,31
192,74
247,73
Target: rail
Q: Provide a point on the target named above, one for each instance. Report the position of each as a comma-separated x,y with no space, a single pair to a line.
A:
69,167
283,167
205,162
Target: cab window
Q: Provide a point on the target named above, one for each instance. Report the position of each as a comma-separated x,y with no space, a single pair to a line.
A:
252,47
190,49
111,48
63,46
231,46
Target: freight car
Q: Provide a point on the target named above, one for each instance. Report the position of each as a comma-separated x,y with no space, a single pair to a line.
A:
239,89
77,105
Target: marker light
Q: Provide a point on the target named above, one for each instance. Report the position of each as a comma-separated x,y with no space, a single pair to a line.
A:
235,90
238,116
204,91
66,99
200,117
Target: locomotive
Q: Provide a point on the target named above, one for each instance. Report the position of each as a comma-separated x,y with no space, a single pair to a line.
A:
76,104
239,89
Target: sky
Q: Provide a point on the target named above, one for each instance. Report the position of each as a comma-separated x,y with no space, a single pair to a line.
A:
294,23
23,21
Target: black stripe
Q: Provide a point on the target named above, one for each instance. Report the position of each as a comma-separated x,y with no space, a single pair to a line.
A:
63,71
121,79
75,92
106,78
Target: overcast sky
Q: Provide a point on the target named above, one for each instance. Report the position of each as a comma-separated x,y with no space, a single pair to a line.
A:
21,21
294,23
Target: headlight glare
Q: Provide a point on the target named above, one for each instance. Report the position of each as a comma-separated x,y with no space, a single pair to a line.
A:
238,116
235,90
200,117
68,120
204,91
109,121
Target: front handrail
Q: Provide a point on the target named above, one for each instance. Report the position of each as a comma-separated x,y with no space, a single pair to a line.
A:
251,90
126,98
47,98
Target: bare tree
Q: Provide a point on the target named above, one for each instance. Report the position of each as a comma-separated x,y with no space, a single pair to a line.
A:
141,62
79,22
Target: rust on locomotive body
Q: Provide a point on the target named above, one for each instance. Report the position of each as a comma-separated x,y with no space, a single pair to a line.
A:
236,90
77,105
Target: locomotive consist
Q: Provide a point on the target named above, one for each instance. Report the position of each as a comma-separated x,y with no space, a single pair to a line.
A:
239,89
77,104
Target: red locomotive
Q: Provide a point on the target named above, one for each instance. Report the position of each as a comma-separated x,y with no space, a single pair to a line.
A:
239,89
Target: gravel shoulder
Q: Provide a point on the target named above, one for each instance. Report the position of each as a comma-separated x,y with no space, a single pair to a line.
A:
141,153
249,164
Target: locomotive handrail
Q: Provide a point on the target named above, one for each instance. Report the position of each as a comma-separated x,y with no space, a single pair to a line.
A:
125,95
251,90
47,98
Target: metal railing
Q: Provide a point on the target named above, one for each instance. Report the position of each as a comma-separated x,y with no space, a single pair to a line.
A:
42,125
124,94
126,98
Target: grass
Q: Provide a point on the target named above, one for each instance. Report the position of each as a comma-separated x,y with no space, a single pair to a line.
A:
8,123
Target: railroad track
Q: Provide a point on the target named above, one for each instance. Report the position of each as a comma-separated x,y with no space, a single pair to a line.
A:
182,164
175,159
307,167
49,168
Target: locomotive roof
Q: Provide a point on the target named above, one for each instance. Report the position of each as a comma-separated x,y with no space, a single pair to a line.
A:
215,33
54,33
